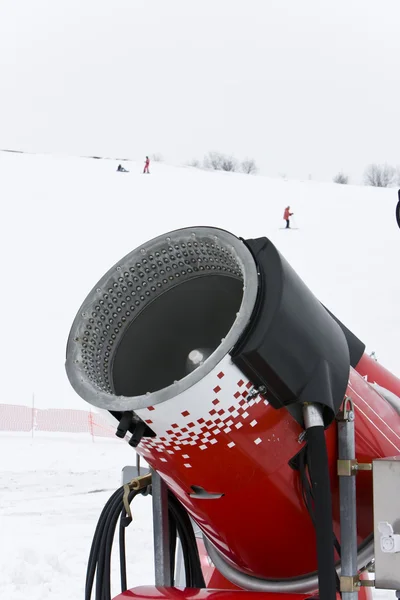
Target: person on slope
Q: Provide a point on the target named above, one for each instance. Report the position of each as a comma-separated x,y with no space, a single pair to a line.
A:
146,165
286,215
121,169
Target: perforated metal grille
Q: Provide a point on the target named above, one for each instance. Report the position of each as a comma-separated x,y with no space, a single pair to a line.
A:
130,287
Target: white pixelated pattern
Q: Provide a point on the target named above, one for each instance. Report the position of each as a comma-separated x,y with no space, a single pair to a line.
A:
194,420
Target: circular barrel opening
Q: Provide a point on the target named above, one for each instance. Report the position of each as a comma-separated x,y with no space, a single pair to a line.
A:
154,350
159,314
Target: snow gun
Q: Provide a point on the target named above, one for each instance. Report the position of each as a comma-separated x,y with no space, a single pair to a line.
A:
272,439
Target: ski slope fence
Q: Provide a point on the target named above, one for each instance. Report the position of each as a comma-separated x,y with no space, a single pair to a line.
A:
26,419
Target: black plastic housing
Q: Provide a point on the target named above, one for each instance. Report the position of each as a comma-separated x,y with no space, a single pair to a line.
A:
293,346
356,346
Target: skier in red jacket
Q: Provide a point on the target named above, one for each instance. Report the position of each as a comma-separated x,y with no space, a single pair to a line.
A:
146,165
286,215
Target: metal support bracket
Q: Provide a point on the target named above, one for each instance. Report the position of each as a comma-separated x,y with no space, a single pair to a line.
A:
354,583
162,565
350,467
139,483
347,414
347,463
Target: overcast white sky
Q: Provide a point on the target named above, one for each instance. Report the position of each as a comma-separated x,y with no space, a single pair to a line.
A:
303,86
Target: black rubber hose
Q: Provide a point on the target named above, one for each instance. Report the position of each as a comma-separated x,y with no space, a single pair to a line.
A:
193,570
319,475
96,543
101,580
108,544
99,564
97,536
124,521
122,552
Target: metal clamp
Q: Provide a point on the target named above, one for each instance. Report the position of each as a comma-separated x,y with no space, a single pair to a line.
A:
347,414
348,468
354,583
138,483
125,499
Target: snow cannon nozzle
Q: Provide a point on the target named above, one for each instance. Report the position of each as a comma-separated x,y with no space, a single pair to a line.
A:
194,342
173,309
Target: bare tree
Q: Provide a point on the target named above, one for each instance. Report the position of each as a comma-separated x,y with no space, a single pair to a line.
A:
220,162
379,175
157,157
229,163
194,163
249,166
213,160
341,178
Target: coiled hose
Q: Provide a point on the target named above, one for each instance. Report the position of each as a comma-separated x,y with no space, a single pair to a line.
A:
99,564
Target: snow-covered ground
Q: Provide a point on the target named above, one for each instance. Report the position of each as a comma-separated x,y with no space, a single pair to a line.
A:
52,490
65,222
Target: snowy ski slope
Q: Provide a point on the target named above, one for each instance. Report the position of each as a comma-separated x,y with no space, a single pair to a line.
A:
52,492
65,222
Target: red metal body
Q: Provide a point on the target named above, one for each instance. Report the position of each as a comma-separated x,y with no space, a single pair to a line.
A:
376,373
260,524
213,578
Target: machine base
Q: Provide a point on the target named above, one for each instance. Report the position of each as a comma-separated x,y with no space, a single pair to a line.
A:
164,593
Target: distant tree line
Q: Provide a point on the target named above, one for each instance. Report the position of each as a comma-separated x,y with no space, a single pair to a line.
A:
217,161
381,175
376,175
